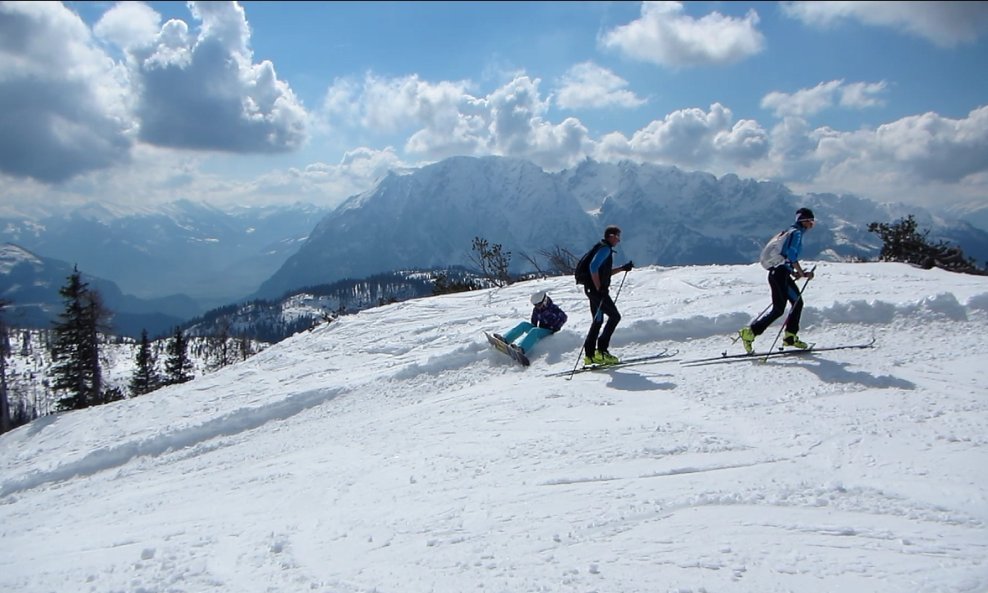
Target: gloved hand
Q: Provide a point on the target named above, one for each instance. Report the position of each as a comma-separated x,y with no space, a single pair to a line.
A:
628,266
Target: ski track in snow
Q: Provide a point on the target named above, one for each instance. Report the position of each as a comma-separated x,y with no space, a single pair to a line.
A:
421,460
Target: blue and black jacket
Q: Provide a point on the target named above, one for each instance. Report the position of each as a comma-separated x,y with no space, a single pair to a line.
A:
793,246
602,263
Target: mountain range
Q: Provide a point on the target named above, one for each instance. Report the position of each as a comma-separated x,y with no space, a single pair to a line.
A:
210,255
184,258
29,284
429,217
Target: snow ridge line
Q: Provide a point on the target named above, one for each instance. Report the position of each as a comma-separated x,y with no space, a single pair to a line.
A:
874,312
236,422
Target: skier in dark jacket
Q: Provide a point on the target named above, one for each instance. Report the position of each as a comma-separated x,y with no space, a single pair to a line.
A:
595,347
782,279
547,318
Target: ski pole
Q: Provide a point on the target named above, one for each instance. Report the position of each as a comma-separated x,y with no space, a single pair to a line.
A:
799,297
600,308
737,336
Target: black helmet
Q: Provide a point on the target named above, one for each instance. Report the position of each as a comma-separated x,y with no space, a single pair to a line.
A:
804,214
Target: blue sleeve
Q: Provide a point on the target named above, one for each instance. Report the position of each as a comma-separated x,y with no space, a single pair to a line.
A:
598,259
793,245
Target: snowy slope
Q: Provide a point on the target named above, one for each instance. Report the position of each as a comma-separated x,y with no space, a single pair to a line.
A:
394,451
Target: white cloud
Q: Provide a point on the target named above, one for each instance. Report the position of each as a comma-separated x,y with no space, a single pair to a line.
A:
519,129
924,159
70,99
588,85
448,120
693,139
326,184
807,102
128,25
803,102
946,24
860,95
202,91
667,37
400,103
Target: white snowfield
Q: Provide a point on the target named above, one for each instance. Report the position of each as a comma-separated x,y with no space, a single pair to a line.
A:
394,451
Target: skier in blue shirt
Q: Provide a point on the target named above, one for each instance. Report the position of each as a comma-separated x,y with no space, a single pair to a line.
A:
782,279
595,347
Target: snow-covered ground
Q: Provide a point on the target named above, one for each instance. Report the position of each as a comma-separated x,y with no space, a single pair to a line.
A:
394,451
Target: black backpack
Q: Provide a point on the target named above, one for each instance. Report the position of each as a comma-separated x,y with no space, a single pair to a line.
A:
582,273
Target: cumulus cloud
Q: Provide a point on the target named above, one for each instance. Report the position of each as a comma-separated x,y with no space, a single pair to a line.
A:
588,85
128,25
693,139
446,119
901,159
807,102
63,101
326,184
68,107
204,91
664,35
946,24
861,95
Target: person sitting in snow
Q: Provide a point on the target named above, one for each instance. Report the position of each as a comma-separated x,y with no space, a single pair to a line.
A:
547,318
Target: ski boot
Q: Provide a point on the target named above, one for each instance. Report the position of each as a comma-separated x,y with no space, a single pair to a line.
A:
793,341
747,339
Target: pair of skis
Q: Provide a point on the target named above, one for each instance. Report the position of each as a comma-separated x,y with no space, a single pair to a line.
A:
763,356
660,356
665,355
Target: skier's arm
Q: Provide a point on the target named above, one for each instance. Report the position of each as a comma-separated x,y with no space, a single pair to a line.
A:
791,250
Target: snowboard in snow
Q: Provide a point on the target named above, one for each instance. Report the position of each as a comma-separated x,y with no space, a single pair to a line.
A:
515,353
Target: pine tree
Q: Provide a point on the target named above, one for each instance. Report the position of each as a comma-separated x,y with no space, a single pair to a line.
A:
146,378
75,350
178,367
903,242
5,424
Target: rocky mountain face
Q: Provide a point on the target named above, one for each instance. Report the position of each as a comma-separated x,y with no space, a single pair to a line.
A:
429,218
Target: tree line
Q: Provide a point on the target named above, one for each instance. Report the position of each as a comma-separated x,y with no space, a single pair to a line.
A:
76,345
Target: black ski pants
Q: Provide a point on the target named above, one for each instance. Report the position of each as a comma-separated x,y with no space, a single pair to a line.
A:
784,290
601,305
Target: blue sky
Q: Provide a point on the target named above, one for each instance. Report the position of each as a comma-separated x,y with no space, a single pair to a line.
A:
264,102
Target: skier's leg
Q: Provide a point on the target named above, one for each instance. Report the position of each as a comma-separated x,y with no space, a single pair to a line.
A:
590,344
613,318
777,280
514,333
532,337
